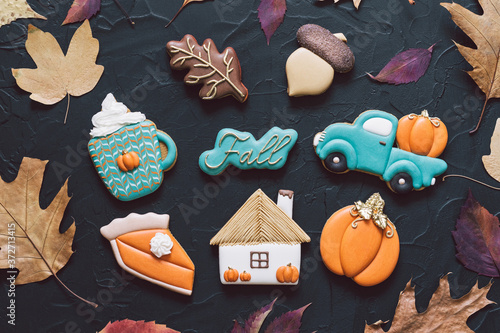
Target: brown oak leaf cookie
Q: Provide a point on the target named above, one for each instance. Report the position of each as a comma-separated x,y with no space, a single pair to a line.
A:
219,73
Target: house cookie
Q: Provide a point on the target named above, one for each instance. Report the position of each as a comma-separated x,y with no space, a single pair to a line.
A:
144,246
367,145
261,244
129,153
360,242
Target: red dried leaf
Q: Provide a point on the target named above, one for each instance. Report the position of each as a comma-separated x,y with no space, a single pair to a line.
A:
131,326
271,15
477,239
82,10
407,66
254,322
288,322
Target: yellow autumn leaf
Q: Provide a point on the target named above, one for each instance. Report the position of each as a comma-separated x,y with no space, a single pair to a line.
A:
38,250
58,75
492,162
11,10
444,314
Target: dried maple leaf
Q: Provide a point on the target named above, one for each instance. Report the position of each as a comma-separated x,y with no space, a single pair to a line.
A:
186,2
11,10
484,30
477,239
220,73
129,326
57,75
40,249
407,66
492,162
444,314
271,15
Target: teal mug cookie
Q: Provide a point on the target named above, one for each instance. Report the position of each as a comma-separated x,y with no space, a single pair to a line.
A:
132,158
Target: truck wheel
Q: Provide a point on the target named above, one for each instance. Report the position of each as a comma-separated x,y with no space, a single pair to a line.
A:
401,183
336,162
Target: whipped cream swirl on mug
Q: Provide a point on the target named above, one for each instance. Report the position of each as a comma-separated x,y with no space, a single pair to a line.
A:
161,244
114,115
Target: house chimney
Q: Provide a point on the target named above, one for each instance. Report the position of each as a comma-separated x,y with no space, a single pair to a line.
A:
285,201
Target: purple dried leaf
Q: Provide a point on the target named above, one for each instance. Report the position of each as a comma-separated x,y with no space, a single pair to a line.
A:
271,15
288,322
407,66
81,10
254,322
477,238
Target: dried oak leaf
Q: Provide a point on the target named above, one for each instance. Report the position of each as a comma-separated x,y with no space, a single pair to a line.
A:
407,66
477,239
492,162
271,15
11,10
131,326
444,314
40,249
220,73
58,75
484,30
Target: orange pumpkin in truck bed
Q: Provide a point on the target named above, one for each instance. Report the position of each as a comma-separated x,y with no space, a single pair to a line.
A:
144,246
360,242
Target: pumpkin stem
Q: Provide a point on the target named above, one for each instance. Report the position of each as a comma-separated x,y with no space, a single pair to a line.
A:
474,180
124,152
289,264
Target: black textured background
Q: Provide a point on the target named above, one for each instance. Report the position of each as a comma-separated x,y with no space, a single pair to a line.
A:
137,72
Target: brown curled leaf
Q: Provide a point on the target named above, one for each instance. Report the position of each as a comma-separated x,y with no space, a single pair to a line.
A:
219,73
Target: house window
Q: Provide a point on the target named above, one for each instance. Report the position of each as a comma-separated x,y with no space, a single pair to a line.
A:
259,259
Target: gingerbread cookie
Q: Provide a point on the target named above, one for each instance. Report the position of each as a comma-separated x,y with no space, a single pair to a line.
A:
262,242
144,246
242,150
360,242
310,69
367,145
219,73
128,151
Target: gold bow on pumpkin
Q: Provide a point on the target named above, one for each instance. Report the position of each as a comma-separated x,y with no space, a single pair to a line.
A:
372,209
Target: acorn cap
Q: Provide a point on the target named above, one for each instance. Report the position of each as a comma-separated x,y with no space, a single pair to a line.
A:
323,43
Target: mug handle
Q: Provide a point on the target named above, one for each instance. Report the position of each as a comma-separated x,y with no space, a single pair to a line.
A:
168,162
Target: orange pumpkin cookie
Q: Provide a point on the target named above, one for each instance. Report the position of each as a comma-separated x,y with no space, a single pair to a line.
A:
422,135
360,242
144,246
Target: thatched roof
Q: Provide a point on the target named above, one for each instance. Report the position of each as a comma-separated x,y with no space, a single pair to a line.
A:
260,221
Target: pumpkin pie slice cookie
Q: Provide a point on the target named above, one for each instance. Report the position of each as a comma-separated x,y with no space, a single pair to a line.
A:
144,246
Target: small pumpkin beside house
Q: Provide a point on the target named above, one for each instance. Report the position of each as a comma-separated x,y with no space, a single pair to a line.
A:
287,274
245,276
259,238
231,275
360,242
422,134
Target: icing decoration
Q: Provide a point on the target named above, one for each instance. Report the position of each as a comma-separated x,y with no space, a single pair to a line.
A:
131,239
113,116
343,147
161,244
128,161
242,150
360,242
231,275
307,73
259,239
157,153
310,69
245,276
219,73
422,135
